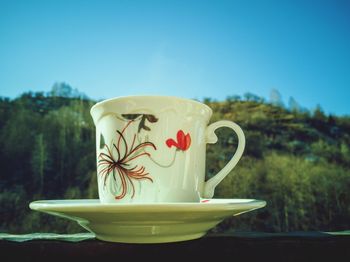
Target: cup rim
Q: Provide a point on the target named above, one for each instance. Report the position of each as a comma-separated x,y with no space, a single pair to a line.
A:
188,100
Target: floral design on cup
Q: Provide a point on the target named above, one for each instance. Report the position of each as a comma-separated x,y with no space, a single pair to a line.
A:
117,160
183,141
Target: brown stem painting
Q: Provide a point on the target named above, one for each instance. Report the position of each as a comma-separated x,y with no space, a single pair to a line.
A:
116,160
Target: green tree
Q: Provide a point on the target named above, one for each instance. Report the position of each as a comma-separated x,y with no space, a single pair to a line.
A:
298,162
39,160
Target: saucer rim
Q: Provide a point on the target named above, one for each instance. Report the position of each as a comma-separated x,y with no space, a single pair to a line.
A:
88,205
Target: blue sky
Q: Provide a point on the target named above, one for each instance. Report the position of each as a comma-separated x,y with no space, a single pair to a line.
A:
191,49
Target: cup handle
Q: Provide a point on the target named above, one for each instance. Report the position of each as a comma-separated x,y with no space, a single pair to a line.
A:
211,138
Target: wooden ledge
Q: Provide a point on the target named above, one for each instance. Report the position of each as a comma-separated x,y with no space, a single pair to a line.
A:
236,246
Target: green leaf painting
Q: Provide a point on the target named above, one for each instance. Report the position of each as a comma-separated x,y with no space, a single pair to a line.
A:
143,118
102,141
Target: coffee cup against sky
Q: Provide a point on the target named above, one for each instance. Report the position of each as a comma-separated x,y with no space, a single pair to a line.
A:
152,149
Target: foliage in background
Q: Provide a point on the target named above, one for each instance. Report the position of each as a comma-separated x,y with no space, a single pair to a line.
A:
295,160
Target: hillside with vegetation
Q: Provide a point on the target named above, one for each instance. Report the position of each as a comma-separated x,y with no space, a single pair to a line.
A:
296,160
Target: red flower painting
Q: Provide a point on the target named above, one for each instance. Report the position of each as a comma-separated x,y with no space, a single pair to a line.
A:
183,141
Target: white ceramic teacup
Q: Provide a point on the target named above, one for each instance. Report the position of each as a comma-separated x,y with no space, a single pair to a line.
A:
152,149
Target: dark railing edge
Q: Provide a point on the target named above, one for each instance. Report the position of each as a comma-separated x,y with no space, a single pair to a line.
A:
77,237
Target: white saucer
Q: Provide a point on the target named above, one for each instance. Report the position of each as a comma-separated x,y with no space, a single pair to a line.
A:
147,223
